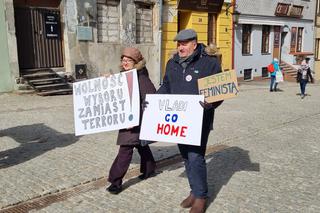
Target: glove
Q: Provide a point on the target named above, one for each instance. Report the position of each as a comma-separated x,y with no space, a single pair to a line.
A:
144,105
205,105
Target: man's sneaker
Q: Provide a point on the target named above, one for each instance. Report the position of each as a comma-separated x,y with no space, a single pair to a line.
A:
113,189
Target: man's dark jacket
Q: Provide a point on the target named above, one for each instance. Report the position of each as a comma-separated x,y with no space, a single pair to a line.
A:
178,80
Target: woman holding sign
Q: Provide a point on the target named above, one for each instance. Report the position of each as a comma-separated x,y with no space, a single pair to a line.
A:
128,139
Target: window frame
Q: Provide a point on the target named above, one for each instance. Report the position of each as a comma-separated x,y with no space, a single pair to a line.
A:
144,6
246,35
265,40
114,3
300,39
293,40
317,50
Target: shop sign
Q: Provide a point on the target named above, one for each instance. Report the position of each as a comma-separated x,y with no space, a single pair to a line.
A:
52,25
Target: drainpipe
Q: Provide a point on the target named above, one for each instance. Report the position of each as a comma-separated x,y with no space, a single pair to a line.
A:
233,41
160,40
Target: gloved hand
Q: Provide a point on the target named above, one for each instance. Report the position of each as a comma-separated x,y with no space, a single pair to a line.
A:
144,104
205,105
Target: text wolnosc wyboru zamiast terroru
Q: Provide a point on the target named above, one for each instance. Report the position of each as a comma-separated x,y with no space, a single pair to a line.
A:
104,102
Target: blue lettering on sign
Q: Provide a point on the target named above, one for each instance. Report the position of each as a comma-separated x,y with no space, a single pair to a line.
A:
174,118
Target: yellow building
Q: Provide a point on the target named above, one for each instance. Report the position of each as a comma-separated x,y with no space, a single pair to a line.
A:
208,18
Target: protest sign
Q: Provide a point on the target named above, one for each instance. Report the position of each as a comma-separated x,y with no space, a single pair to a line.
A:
219,87
106,103
173,119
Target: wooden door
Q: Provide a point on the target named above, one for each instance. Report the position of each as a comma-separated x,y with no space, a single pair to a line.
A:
276,42
39,38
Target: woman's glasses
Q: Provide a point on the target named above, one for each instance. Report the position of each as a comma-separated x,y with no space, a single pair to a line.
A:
127,61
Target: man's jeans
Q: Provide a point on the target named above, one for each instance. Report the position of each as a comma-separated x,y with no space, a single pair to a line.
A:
195,165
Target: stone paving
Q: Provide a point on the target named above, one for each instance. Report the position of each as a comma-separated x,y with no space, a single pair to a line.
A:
271,163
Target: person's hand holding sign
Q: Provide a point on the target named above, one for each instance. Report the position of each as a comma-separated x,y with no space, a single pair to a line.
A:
205,104
144,104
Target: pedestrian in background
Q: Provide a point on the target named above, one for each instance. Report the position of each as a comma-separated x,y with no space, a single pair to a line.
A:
304,76
273,81
128,139
182,72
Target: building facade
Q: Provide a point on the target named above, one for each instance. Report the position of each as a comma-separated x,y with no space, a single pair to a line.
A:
69,36
84,38
8,60
268,29
208,18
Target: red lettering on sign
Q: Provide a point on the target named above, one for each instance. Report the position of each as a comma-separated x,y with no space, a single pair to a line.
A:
175,131
168,129
182,134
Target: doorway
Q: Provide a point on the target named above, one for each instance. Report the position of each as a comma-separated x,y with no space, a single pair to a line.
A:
276,42
39,37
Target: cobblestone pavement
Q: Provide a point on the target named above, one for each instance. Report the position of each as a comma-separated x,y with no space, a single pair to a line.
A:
271,161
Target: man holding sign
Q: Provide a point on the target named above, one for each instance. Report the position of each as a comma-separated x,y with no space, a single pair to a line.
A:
191,63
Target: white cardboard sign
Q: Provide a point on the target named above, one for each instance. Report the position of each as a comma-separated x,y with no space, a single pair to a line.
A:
106,103
173,119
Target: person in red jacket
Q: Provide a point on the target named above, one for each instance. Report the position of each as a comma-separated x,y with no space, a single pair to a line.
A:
128,139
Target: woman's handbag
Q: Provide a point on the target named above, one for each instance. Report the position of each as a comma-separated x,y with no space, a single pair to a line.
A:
279,77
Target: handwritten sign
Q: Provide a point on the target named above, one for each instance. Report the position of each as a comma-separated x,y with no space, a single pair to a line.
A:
105,104
173,119
219,87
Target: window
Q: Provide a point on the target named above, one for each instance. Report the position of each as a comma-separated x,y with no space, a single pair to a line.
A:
299,40
143,23
265,72
265,39
212,23
247,74
246,39
317,49
293,39
108,26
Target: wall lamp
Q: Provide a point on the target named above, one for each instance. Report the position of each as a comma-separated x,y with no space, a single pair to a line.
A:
229,6
235,13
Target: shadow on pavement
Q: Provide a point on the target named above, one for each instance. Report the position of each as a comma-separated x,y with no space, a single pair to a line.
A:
34,140
222,165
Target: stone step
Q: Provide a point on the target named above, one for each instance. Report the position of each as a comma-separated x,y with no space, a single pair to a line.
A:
35,70
56,92
39,75
44,80
49,86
